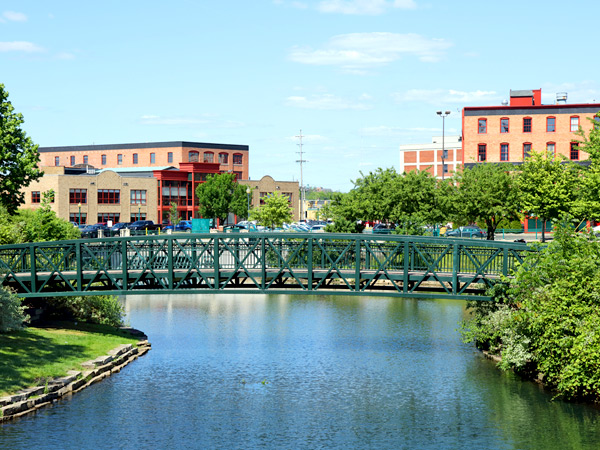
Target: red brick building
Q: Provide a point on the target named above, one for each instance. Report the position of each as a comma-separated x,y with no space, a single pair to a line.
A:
509,132
230,158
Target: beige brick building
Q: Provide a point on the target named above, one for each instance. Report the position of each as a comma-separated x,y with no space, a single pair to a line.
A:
429,156
267,185
95,197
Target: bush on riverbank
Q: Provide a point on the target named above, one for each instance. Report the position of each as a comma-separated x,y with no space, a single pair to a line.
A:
547,319
99,309
12,313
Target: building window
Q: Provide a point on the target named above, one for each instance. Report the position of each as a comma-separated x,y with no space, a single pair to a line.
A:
503,152
112,196
72,160
85,159
193,156
526,150
527,125
237,158
57,161
35,197
574,123
135,158
80,218
138,197
481,152
152,158
137,216
482,126
77,196
119,159
106,217
208,157
550,124
575,151
238,175
170,157
551,148
504,125
223,158
103,160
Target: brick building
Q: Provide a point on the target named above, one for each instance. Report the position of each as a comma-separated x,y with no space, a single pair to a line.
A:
267,185
230,158
509,132
429,156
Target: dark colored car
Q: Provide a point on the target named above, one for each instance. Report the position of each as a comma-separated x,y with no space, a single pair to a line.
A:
140,225
470,231
91,231
115,230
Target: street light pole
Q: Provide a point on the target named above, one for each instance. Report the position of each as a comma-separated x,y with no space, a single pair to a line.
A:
248,191
139,212
444,152
79,213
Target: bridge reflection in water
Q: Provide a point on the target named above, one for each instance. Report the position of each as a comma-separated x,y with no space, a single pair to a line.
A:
278,263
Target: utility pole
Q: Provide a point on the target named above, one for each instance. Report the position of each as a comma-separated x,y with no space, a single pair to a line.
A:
301,161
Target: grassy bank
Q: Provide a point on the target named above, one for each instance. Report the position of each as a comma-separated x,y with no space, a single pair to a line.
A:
33,355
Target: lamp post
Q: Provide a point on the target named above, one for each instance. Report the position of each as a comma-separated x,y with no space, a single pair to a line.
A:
444,152
79,213
248,191
139,212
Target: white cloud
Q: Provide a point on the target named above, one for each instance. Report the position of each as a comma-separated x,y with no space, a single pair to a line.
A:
19,46
14,16
363,7
325,102
579,92
438,96
360,50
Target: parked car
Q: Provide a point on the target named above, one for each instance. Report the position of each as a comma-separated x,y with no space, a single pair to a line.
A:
183,225
115,230
382,228
142,225
318,228
469,231
91,231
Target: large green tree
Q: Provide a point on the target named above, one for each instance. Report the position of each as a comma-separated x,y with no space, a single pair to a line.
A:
548,187
19,157
219,195
487,192
274,212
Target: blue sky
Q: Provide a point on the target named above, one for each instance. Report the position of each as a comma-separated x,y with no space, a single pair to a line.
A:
358,77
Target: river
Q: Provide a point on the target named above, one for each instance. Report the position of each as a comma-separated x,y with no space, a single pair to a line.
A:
302,372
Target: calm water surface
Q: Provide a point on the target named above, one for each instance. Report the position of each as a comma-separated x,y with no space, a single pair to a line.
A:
279,372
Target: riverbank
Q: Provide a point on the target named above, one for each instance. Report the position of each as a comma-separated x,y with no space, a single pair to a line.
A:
88,371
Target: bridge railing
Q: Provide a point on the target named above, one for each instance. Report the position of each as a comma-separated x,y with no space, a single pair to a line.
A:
87,265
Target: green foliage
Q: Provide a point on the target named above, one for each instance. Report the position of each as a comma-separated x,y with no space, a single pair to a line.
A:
174,214
343,225
548,187
274,212
487,192
98,309
18,156
219,195
313,194
548,316
12,313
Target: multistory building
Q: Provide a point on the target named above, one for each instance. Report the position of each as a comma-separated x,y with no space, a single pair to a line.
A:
430,156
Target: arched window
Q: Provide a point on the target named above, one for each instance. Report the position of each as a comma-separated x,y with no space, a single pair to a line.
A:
575,151
193,156
481,152
574,123
526,124
238,158
550,124
526,150
551,148
504,152
504,125
223,158
209,157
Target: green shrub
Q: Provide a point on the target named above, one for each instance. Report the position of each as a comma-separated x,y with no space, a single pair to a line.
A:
100,309
548,316
12,313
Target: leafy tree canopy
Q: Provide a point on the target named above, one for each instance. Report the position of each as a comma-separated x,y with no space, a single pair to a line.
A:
18,156
487,192
219,195
274,212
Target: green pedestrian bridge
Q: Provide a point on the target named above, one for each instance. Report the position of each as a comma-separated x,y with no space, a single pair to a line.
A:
273,263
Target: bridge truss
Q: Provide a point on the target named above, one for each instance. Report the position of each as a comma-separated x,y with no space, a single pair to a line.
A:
276,263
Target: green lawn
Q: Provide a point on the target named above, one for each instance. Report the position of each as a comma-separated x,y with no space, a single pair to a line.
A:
30,356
